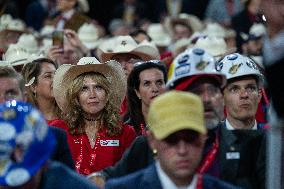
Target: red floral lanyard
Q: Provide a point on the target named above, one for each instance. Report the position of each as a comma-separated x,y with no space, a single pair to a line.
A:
208,160
80,158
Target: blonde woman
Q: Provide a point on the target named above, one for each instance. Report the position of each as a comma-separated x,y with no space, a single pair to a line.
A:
90,94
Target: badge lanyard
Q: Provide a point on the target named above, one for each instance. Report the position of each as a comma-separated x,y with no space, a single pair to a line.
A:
207,162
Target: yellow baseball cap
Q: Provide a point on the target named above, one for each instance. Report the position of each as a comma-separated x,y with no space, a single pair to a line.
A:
174,111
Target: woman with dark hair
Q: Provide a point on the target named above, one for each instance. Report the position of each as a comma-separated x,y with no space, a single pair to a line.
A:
145,82
38,76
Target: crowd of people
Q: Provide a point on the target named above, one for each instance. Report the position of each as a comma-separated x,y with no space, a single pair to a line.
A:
184,97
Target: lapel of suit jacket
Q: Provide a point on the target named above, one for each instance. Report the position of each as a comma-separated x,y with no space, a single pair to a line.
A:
229,150
151,179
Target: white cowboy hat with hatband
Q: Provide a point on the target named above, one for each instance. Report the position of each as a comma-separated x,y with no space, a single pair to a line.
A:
88,34
66,73
159,35
216,46
126,44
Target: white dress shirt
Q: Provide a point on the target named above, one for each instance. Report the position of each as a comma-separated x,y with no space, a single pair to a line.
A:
167,183
230,127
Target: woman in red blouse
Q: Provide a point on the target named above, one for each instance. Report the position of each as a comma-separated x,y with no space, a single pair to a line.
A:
90,94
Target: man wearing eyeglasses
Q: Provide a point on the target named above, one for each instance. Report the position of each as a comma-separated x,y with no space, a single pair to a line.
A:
177,133
242,91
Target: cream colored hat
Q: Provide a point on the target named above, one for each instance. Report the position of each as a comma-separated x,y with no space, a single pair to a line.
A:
159,35
16,55
16,25
214,30
88,34
257,30
191,20
5,19
213,45
47,30
174,111
28,42
126,44
66,73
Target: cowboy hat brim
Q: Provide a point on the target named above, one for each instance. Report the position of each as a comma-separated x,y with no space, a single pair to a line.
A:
66,74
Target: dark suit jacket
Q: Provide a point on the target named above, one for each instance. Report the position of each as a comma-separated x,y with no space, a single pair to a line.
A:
247,171
62,151
138,156
148,179
58,176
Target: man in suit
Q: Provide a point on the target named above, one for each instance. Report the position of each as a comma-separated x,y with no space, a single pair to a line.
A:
177,133
12,87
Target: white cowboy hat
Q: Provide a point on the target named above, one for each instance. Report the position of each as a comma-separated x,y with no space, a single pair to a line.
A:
158,34
126,44
214,45
66,73
88,34
16,55
214,30
29,42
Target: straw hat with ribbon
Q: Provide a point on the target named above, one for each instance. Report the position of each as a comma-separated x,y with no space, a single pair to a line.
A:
66,73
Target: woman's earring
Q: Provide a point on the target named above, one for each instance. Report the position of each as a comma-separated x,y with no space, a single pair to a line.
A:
35,94
154,152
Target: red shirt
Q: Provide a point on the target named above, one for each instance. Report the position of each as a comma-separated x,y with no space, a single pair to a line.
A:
106,152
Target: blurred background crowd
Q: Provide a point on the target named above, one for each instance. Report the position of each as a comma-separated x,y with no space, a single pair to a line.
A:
211,68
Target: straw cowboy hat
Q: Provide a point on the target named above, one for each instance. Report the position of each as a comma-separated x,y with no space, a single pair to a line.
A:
126,44
66,73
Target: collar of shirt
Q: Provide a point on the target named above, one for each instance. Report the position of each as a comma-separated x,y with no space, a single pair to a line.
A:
230,127
273,48
64,17
167,183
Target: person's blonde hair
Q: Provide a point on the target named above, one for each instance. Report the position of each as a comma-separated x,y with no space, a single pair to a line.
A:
109,117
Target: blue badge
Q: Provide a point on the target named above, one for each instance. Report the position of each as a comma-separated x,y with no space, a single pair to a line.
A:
219,66
183,59
182,70
251,65
198,51
232,57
